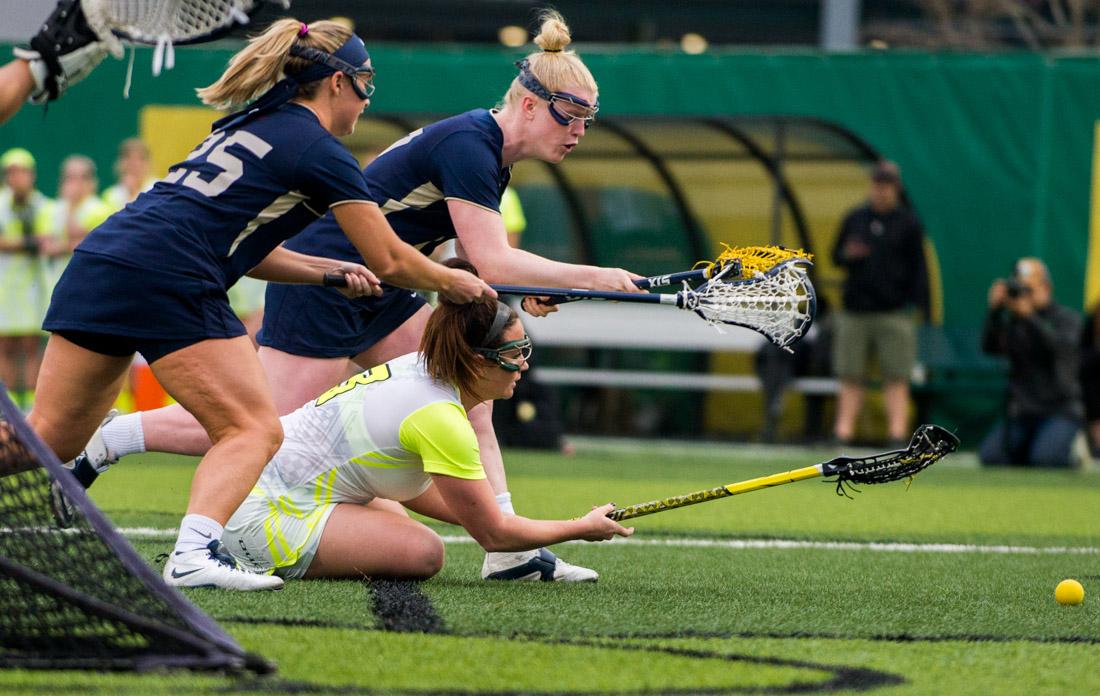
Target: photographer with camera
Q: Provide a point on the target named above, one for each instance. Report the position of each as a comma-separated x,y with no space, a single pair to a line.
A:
1040,338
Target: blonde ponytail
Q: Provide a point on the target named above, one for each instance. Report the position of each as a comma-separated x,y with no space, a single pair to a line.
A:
266,60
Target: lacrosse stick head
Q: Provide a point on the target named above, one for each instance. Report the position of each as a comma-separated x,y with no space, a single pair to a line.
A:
929,444
179,22
779,303
750,261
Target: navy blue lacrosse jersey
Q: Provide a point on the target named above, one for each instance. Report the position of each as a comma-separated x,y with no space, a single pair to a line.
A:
456,158
237,196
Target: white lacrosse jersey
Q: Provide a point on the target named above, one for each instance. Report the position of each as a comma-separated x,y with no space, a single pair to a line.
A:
379,434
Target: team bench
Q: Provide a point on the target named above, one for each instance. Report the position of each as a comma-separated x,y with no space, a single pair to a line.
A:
648,327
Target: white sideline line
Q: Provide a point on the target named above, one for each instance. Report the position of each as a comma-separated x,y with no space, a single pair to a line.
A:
743,544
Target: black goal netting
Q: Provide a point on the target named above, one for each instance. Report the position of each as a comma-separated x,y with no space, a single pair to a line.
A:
82,597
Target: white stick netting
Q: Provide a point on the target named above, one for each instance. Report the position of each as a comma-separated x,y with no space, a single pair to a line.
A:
163,22
780,304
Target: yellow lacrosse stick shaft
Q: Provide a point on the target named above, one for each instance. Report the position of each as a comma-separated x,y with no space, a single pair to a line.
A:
726,491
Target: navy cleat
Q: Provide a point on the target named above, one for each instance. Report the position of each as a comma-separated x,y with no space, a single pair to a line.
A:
539,564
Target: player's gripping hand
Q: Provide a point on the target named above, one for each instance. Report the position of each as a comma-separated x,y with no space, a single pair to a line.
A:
538,306
601,527
616,280
62,53
360,282
461,287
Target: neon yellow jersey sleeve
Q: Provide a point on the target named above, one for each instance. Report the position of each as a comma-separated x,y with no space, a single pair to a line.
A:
443,437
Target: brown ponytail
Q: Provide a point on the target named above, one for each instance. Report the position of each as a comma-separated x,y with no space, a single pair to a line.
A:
452,333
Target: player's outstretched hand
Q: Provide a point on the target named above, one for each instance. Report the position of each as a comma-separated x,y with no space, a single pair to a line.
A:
538,306
601,527
617,280
462,287
360,281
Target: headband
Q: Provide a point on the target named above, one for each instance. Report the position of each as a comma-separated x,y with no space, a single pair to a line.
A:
348,59
504,313
528,80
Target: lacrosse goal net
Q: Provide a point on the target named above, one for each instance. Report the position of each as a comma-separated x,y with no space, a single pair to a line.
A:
82,598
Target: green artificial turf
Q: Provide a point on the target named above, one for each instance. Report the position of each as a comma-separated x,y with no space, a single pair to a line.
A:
674,618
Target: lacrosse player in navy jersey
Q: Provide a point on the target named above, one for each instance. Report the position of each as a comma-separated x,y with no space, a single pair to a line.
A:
438,183
153,278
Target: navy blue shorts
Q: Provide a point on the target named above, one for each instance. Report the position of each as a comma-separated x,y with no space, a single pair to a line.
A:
318,322
113,308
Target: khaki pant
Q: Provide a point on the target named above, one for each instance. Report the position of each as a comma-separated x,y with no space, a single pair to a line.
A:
890,338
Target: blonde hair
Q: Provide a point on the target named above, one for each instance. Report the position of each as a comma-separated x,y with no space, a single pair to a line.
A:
266,60
128,147
87,164
556,68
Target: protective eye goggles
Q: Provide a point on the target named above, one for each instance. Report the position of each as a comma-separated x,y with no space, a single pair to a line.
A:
510,356
361,78
564,107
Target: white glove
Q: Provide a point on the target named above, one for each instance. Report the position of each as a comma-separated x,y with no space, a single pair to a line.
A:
75,66
63,52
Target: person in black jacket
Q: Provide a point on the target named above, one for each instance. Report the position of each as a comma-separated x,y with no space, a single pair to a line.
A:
1041,339
881,246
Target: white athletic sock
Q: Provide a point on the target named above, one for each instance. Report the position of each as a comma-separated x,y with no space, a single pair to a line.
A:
504,502
124,435
196,532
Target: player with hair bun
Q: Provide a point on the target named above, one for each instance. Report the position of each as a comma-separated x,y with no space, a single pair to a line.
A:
398,431
441,182
152,279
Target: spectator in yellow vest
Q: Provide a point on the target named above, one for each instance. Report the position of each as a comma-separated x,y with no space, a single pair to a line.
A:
132,174
79,211
25,218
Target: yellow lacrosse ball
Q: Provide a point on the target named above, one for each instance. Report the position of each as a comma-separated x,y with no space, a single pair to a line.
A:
1069,592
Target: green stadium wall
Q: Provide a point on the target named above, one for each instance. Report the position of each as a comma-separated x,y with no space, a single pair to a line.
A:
996,149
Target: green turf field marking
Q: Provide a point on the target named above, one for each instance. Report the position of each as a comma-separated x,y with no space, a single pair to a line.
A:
775,544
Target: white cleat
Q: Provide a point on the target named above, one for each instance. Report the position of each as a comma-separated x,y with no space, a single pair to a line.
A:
213,566
539,564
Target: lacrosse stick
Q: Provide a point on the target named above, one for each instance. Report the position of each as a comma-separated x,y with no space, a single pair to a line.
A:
929,444
704,270
168,23
779,304
745,262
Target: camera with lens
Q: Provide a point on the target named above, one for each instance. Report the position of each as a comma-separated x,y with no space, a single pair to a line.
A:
1015,288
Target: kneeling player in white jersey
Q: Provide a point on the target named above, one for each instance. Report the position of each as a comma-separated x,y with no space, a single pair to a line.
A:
397,432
